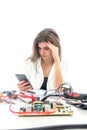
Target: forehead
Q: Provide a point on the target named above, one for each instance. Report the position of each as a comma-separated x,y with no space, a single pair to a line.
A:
42,44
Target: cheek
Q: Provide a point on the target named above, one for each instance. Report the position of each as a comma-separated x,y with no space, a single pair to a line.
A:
39,51
49,53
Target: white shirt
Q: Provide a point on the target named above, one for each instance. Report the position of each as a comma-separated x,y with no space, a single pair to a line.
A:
35,74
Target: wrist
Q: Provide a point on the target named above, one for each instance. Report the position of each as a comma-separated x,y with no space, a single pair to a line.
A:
57,60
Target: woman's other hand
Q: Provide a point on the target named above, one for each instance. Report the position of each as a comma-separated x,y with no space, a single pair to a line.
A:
54,51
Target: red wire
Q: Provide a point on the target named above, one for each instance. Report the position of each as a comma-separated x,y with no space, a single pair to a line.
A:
27,96
27,113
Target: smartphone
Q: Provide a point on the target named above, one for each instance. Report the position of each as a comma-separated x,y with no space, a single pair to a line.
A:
21,77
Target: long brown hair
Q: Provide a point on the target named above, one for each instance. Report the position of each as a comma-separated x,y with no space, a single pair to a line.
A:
47,34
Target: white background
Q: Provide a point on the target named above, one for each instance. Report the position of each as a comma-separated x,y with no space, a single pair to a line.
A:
21,20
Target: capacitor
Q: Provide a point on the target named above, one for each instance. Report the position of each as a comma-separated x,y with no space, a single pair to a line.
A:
28,107
22,109
47,107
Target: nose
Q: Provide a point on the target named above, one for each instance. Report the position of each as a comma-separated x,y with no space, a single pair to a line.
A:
42,51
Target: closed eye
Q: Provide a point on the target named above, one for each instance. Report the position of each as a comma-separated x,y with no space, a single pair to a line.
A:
46,48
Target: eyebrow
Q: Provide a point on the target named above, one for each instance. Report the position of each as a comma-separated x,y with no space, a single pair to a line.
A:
46,47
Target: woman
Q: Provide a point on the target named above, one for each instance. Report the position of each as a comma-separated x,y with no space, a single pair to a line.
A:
43,68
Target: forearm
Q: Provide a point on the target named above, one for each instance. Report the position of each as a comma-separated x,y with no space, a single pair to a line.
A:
58,77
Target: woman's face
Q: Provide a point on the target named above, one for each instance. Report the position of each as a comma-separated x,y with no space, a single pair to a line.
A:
44,51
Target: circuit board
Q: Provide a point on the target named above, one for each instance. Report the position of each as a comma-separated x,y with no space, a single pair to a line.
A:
27,105
38,109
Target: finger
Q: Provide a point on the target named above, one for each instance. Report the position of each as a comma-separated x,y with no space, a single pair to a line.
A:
50,45
49,42
27,88
26,84
21,82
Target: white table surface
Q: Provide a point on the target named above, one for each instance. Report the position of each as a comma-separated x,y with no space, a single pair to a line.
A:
9,120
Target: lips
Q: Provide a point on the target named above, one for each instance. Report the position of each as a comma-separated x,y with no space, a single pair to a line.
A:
43,56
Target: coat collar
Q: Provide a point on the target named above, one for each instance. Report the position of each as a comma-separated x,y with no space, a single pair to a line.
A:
39,68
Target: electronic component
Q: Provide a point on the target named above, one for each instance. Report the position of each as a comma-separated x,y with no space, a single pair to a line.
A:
42,108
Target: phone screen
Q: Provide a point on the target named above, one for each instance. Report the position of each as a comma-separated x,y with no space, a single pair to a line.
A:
21,77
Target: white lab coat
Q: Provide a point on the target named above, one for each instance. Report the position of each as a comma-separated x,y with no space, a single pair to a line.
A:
35,74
